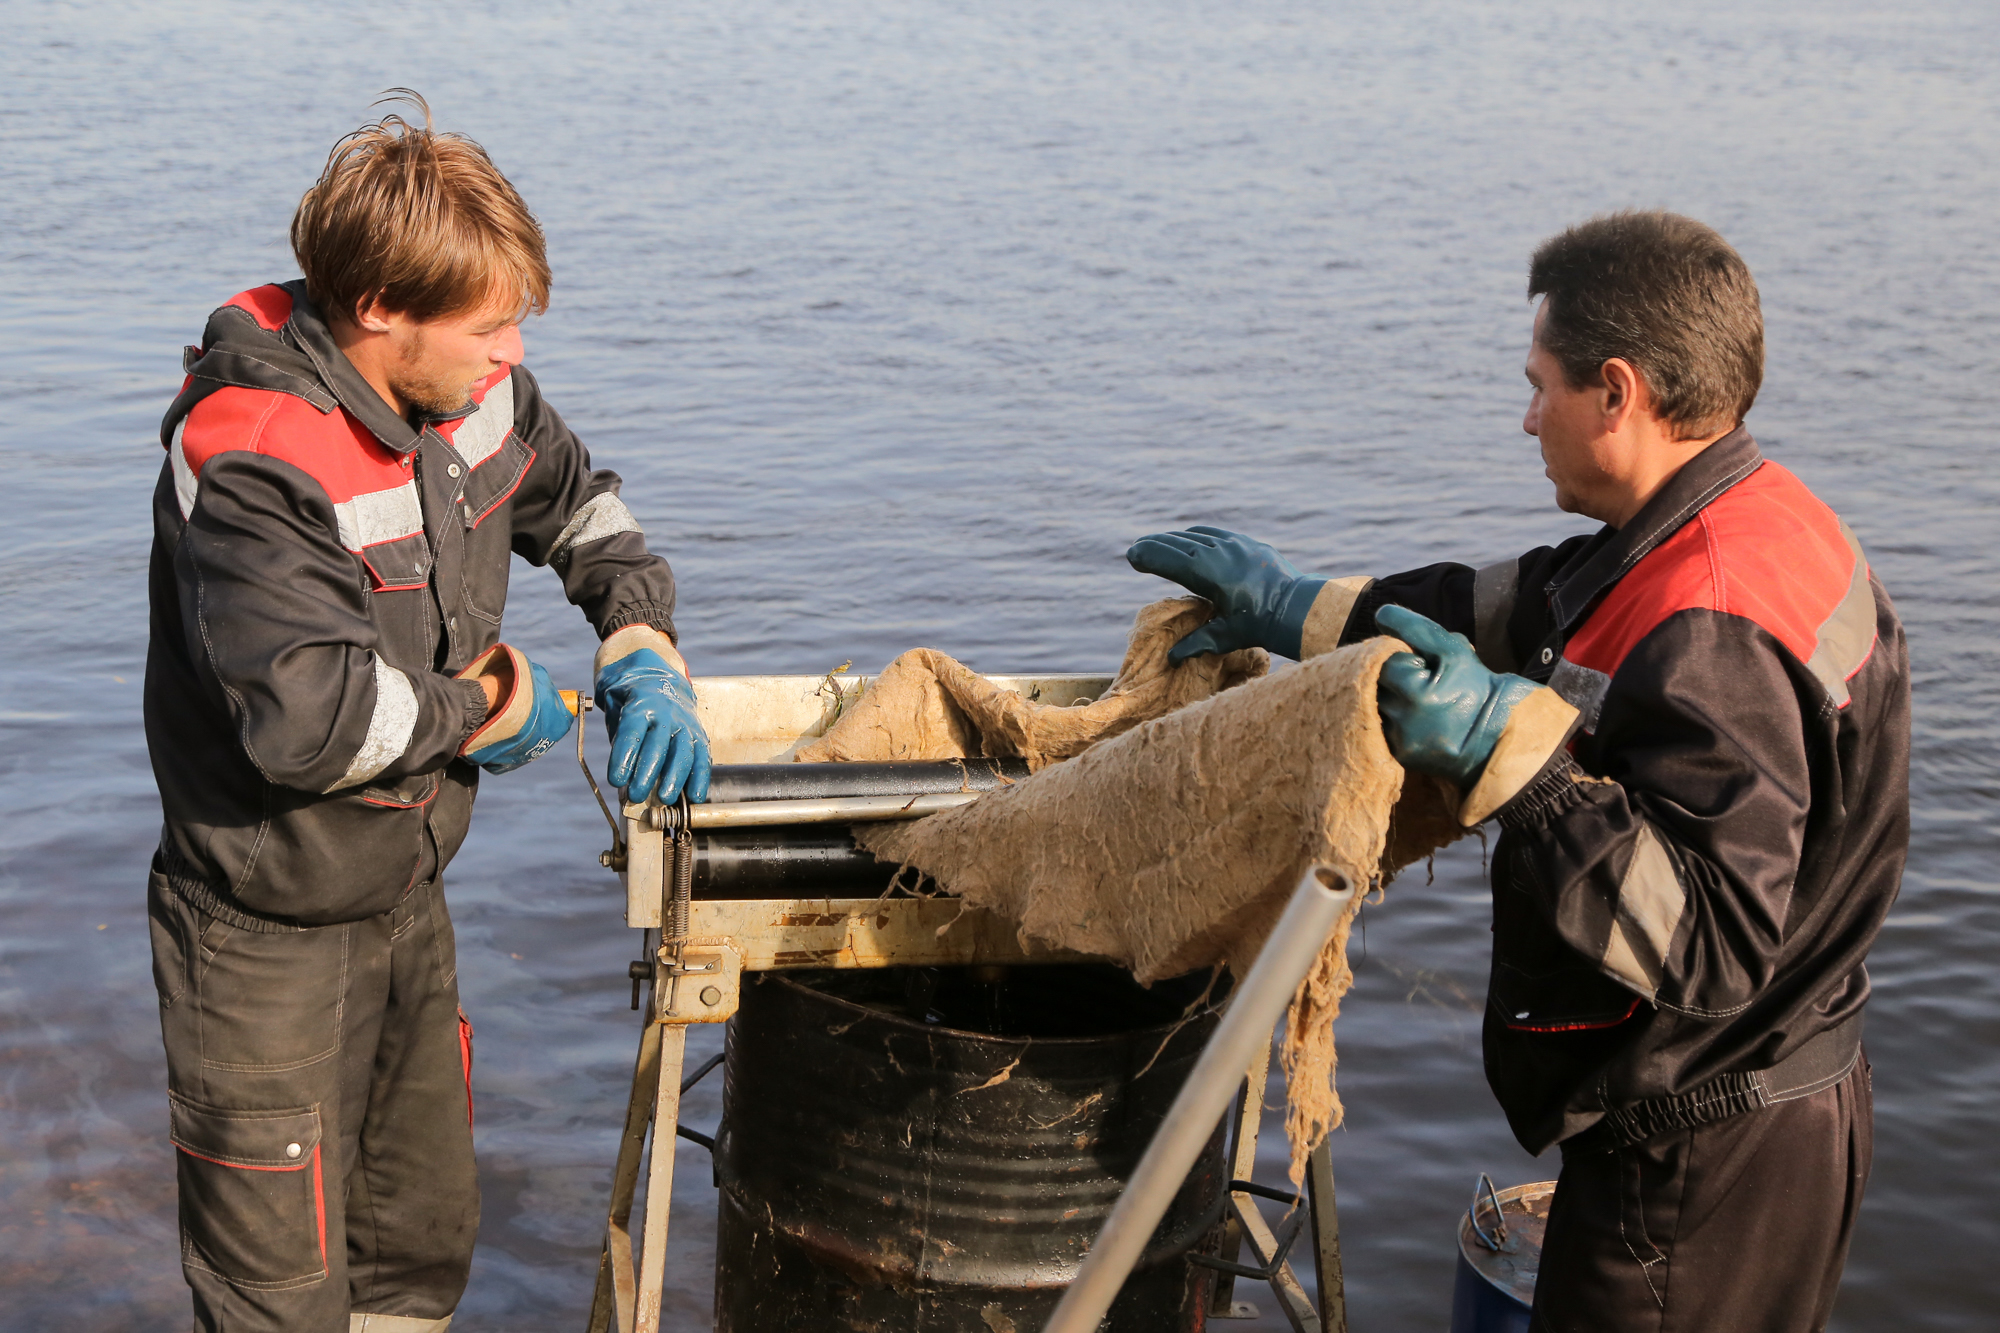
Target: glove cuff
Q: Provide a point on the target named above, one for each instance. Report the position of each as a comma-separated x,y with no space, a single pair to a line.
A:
1537,729
631,639
516,704
1326,619
1288,618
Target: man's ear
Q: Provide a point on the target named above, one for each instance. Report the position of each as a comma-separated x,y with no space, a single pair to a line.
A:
1625,393
372,315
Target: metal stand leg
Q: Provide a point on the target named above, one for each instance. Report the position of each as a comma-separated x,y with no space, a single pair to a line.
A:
1269,1249
1326,1241
614,1303
1242,1166
624,1301
660,1178
1269,1252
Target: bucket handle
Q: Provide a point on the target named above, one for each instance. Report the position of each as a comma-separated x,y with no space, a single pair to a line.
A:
1485,1189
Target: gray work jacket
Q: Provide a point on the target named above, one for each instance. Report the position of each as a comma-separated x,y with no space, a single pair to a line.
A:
321,569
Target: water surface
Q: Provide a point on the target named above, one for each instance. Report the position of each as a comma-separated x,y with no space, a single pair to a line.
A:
901,319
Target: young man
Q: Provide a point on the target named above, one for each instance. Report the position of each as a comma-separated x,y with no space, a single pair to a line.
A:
352,462
1693,728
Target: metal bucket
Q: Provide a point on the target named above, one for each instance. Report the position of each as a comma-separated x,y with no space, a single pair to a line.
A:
1499,1254
936,1148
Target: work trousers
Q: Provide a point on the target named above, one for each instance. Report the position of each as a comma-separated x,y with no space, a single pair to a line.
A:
319,1084
1740,1226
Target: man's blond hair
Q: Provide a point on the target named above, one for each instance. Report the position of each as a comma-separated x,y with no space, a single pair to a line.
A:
423,220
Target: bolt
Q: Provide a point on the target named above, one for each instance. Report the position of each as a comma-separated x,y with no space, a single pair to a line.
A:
711,996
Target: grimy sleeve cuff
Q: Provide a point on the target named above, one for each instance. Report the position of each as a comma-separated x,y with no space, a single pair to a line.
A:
1328,615
659,615
1535,734
475,711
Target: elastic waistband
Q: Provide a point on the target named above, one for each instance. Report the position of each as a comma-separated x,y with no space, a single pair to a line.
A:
192,888
1819,1064
198,892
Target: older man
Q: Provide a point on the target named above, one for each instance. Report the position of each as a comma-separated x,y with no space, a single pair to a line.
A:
352,463
1693,728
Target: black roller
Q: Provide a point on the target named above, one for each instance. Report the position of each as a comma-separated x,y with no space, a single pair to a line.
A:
786,782
819,860
792,861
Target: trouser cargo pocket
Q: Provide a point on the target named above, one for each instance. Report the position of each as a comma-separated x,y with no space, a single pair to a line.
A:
253,1193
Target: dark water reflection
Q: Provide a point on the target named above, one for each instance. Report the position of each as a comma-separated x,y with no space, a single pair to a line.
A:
901,320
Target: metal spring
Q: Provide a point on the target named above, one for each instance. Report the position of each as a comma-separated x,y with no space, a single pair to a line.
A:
683,886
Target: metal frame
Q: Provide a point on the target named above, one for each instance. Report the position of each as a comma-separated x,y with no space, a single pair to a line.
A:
694,975
1243,1222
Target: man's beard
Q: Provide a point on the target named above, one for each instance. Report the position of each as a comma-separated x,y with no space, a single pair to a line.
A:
433,394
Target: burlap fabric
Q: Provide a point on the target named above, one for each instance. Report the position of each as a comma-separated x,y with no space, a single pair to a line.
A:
928,706
1175,836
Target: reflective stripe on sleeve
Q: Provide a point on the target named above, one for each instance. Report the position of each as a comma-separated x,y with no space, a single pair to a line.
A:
389,729
1847,637
1650,903
1493,590
1584,688
600,516
184,478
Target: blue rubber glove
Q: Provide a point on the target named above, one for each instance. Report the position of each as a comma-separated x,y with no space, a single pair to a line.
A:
656,743
1442,709
1260,600
527,719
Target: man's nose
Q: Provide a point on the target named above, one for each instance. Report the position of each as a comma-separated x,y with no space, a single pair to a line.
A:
1531,420
508,348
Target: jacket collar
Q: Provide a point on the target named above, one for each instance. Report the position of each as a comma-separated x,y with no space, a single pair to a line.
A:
308,328
301,359
1575,590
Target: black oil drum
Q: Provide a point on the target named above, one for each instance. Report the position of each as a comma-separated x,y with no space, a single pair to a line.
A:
936,1149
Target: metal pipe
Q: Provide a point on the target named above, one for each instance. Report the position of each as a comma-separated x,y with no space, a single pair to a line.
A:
818,810
792,782
1281,965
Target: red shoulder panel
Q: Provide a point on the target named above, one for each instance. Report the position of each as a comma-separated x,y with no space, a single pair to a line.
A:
1767,549
332,448
269,305
229,418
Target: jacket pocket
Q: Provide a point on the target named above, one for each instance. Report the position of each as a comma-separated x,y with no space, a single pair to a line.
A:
1573,999
166,919
253,1194
411,793
484,572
